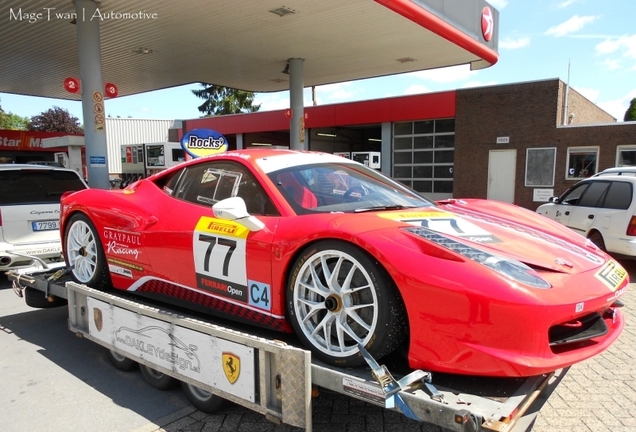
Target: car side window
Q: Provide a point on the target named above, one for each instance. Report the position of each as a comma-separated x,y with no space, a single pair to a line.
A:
571,197
593,194
171,183
206,184
619,196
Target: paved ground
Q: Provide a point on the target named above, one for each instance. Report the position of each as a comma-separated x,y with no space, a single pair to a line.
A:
50,380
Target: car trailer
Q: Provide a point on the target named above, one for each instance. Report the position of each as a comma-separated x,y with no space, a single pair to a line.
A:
215,362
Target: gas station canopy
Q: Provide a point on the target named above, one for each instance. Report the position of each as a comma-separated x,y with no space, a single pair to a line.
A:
148,45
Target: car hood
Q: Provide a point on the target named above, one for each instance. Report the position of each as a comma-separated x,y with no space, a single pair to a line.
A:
497,228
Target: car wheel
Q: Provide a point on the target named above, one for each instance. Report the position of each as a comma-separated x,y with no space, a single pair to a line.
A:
596,238
84,252
339,297
202,400
121,362
36,299
158,380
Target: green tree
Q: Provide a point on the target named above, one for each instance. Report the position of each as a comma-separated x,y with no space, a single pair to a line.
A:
630,114
221,100
10,121
56,119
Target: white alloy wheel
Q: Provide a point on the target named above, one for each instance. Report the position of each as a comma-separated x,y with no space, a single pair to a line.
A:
81,251
335,303
84,253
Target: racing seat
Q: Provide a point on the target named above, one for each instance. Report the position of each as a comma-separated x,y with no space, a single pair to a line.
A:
299,193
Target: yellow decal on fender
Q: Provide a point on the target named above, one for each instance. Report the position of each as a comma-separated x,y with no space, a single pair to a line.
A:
220,226
612,274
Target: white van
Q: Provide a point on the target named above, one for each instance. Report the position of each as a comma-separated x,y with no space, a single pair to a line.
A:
601,208
30,213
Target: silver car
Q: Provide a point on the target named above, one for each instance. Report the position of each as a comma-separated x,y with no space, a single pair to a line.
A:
30,213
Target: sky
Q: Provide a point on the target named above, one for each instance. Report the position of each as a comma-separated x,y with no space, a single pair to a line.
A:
590,43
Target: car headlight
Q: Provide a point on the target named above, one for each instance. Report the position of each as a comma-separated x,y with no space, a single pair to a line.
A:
510,268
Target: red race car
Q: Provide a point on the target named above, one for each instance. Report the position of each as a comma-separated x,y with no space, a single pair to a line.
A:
342,255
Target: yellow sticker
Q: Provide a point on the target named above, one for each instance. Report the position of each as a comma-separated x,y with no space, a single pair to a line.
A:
231,366
612,274
405,216
223,227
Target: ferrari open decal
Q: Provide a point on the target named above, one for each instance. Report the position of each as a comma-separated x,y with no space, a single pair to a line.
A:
219,257
445,223
612,274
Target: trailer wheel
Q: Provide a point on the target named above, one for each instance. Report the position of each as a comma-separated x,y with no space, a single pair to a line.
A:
338,297
36,299
158,380
121,362
202,400
85,253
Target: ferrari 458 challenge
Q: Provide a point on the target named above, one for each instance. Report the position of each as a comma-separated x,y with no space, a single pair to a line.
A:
341,255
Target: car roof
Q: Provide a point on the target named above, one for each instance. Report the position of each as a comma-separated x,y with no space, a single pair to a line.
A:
631,178
10,167
626,170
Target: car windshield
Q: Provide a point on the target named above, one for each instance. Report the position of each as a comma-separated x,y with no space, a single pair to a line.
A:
334,187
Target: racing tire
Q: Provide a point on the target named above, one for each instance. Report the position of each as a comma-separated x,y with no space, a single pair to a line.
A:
338,297
201,399
84,252
596,238
121,362
37,299
158,380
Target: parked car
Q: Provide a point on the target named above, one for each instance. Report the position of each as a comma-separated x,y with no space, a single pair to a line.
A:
601,208
343,256
30,213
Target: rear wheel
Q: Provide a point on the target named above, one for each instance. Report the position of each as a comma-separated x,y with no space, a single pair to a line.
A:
158,380
339,297
85,254
202,400
596,238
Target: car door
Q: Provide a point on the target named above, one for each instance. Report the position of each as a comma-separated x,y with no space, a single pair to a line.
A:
562,207
588,211
193,248
615,214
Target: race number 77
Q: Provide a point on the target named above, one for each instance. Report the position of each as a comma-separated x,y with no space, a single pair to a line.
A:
213,241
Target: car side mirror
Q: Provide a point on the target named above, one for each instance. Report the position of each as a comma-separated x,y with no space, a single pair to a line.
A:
553,199
234,209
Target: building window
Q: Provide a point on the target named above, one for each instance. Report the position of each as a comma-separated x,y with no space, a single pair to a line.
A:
424,154
540,166
582,162
626,155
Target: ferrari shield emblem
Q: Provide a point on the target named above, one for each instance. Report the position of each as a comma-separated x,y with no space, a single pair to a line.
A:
98,318
231,366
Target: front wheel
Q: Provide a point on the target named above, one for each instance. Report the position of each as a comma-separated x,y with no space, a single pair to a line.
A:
121,362
85,254
158,380
339,297
201,399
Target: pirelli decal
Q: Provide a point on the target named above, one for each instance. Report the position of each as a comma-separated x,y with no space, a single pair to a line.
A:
612,274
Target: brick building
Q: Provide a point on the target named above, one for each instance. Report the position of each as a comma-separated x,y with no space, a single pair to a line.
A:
519,143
